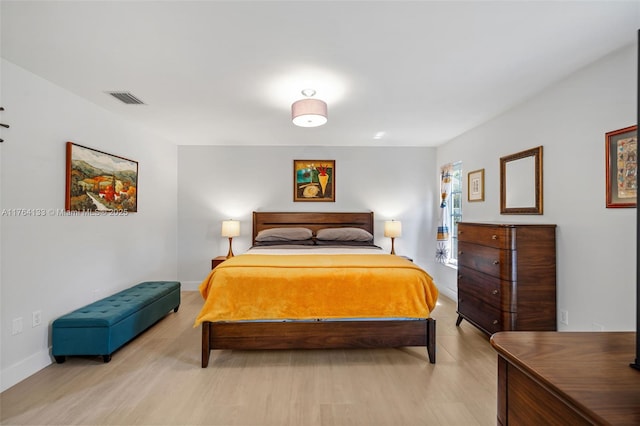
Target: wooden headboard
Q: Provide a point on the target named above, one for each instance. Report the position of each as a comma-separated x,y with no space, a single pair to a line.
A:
311,220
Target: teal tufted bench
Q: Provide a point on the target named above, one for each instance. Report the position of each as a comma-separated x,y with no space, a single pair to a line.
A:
104,326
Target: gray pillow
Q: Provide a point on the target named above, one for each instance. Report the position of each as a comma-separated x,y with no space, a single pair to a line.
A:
284,234
285,243
343,234
336,243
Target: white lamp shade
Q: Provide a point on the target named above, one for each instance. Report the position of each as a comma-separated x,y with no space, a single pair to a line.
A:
309,112
230,228
392,228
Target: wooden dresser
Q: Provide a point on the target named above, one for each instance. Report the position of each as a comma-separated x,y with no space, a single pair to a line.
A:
507,276
567,378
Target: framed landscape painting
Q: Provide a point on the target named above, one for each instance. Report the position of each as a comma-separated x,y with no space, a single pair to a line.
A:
100,182
314,180
621,150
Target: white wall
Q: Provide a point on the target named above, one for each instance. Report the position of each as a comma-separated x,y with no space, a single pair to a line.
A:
596,254
222,182
55,264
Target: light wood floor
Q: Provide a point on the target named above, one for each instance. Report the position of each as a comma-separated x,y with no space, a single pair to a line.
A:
157,380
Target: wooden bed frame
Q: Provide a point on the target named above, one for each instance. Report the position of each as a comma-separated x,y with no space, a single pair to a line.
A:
317,334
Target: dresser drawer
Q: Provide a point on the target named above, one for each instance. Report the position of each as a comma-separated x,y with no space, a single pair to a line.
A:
486,235
487,317
491,261
490,290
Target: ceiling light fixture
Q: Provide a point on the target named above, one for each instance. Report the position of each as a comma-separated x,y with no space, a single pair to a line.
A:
309,112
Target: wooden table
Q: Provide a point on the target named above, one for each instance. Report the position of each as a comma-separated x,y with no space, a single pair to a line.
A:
217,260
561,378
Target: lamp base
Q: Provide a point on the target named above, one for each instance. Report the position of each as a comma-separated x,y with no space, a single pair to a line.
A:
393,250
230,253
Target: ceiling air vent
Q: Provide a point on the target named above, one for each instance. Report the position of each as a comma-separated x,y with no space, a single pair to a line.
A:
126,97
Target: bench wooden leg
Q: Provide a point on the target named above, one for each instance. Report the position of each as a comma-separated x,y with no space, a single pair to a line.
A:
106,358
60,359
176,308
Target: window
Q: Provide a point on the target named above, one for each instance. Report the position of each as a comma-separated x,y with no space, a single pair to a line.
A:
454,208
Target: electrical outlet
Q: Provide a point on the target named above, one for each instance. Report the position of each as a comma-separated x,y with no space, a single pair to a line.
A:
564,317
16,326
36,318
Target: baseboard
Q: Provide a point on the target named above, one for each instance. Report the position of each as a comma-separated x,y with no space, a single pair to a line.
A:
21,370
447,292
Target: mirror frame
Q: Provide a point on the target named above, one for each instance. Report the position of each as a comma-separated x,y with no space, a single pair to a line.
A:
536,153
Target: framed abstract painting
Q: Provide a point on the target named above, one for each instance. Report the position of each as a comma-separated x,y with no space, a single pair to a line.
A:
314,180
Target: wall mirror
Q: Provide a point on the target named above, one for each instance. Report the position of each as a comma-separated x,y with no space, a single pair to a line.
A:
521,182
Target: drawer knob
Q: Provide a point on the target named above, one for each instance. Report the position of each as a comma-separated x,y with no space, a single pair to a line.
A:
459,277
494,237
460,253
495,322
494,292
495,262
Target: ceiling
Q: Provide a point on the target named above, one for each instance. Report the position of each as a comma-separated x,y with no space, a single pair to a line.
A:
226,72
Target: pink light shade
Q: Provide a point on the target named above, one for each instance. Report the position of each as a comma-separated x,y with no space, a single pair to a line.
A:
309,112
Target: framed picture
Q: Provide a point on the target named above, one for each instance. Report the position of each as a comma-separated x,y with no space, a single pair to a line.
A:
97,181
314,180
475,185
621,150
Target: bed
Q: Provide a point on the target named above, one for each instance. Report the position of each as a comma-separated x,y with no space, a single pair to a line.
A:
315,302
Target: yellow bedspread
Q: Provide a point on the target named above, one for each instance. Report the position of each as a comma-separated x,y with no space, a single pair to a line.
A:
263,287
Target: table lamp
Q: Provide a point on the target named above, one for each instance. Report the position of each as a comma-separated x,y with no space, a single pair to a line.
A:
230,229
392,229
